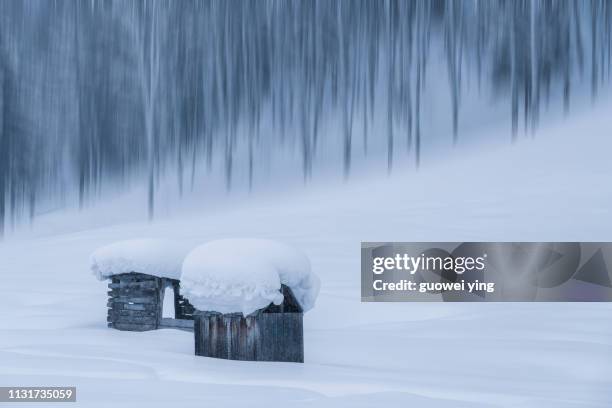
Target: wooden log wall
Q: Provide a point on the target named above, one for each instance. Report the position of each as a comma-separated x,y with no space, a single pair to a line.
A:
134,302
182,308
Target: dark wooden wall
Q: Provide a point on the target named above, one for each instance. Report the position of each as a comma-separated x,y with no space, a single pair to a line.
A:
264,336
135,302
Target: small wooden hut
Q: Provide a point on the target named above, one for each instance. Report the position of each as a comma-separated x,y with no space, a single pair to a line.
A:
250,297
135,302
275,333
141,272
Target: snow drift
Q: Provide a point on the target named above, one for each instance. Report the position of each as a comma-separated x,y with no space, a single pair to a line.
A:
553,187
157,257
244,275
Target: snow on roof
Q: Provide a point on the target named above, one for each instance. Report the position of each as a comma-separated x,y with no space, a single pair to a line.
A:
245,275
157,257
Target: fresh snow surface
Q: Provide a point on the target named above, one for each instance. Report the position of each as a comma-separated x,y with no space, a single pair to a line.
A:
244,275
157,257
555,187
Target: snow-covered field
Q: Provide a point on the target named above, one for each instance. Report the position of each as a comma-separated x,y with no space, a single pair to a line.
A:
556,187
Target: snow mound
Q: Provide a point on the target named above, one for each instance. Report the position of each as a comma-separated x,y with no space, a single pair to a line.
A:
157,257
244,275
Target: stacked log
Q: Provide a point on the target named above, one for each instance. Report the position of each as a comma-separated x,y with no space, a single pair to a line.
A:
182,308
134,302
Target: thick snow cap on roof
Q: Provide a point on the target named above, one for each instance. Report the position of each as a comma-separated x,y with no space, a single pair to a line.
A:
157,257
244,275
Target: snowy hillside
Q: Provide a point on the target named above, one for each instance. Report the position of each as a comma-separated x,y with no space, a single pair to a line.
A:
555,187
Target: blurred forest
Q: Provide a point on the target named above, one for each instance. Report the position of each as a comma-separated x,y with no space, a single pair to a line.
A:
99,92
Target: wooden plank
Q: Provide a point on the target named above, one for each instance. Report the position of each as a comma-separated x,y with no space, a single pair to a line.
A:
134,307
132,313
134,300
197,336
135,276
132,319
136,320
176,323
149,284
263,337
